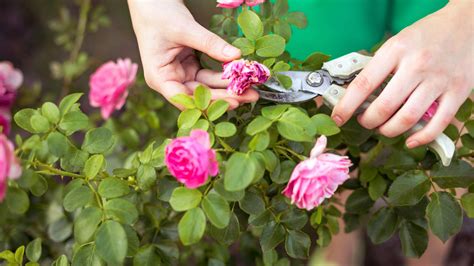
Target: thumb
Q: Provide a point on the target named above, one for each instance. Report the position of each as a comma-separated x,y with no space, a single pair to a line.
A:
209,43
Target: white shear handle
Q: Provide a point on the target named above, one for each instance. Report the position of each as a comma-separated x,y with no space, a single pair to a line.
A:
442,145
346,66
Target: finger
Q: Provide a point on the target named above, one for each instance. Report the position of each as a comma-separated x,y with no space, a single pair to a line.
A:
412,111
248,96
448,104
389,101
370,78
212,78
201,39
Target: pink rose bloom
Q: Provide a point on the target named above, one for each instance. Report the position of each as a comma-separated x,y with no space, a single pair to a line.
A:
10,78
191,159
9,165
317,178
237,3
5,119
431,112
229,3
109,85
243,74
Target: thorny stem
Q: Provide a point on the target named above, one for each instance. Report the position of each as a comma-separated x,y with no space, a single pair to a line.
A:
57,171
292,152
79,40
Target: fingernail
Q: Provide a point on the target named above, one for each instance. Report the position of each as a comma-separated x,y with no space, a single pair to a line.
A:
230,51
412,144
338,120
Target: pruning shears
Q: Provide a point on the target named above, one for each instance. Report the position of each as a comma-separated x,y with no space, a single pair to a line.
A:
328,83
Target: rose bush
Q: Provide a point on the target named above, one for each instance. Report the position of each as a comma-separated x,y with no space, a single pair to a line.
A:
139,188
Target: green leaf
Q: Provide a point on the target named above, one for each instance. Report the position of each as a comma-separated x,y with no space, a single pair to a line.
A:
19,254
283,29
113,187
260,141
39,123
73,121
325,125
228,195
60,230
382,225
294,219
228,235
77,198
111,242
51,112
409,188
225,129
272,235
298,19
94,165
274,112
297,244
191,227
295,125
68,101
74,160
61,261
280,8
282,175
146,256
467,141
269,63
237,177
86,224
367,173
284,80
281,66
251,25
217,210
146,176
184,199
133,241
470,127
465,111
414,239
414,212
122,210
202,97
458,174
8,256
245,45
315,61
87,255
359,202
217,109
17,200
324,236
258,124
271,160
444,215
98,140
58,144
252,203
188,118
22,119
377,187
184,100
467,201
270,46
40,186
33,250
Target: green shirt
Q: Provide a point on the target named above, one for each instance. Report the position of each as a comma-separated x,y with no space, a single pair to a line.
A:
338,27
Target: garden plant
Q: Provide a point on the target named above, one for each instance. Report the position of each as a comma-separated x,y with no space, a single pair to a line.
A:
144,183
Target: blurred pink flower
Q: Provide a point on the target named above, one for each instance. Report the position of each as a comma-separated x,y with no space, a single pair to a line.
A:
431,112
109,85
5,119
9,166
10,78
317,178
243,74
237,3
191,159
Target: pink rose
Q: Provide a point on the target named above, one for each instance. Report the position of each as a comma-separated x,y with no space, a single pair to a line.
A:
237,3
229,3
191,159
10,78
109,85
317,178
431,112
9,165
243,74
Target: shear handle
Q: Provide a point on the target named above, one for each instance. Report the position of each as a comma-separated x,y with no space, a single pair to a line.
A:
442,145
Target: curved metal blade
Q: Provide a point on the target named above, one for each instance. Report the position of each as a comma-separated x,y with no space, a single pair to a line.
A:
286,97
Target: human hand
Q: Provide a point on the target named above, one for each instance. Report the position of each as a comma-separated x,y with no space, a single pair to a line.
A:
432,60
167,35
